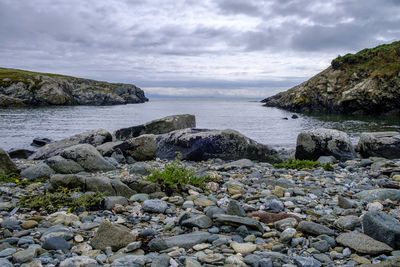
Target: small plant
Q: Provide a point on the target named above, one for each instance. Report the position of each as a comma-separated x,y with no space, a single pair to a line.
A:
53,201
175,175
15,178
302,164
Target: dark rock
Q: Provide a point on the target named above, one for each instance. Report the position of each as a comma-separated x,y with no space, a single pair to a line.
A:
380,144
344,203
55,243
201,144
7,166
313,228
234,208
382,227
11,224
306,262
200,221
112,235
322,245
39,142
110,202
161,260
238,221
160,126
141,148
348,222
20,153
363,243
57,230
38,171
187,240
311,144
294,116
94,137
157,244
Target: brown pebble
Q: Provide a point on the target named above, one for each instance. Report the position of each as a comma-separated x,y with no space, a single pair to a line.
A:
269,217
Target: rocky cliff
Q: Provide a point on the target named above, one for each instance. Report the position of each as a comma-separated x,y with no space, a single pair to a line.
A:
19,88
367,82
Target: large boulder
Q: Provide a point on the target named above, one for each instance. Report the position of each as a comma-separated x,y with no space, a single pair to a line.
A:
380,144
141,148
94,137
202,144
311,144
41,170
382,227
88,157
64,166
113,187
160,126
7,166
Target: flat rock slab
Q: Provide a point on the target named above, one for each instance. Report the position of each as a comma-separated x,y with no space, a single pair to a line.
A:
238,221
187,240
363,243
313,228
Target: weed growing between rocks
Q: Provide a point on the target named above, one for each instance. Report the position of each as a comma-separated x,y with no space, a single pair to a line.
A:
302,164
175,175
16,179
53,201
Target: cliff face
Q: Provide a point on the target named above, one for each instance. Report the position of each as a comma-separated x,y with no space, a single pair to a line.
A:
364,83
18,88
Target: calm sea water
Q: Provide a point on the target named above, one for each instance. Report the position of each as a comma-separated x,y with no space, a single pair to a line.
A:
18,126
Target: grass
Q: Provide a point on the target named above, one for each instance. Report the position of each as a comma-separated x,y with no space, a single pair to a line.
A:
53,201
175,175
15,178
381,61
297,164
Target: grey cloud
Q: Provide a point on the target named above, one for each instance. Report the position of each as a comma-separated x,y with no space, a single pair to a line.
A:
239,7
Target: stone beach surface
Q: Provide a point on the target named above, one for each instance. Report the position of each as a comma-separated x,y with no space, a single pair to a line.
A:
250,214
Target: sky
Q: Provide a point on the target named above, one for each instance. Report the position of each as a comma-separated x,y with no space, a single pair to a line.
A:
227,48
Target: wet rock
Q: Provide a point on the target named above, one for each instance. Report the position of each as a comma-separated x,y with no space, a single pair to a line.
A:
201,144
379,194
94,137
40,141
20,153
112,235
154,205
380,144
38,171
160,126
382,227
64,166
238,221
363,243
313,228
55,243
311,144
7,166
87,157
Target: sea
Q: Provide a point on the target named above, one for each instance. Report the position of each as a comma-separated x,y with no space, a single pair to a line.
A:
271,126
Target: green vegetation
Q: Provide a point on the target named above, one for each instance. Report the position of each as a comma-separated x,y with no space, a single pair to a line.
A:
302,164
15,178
381,61
175,175
61,198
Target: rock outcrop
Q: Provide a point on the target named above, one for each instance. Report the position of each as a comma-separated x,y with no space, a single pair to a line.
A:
7,166
364,83
18,88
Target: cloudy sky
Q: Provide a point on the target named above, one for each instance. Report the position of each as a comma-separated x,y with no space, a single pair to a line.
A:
250,48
